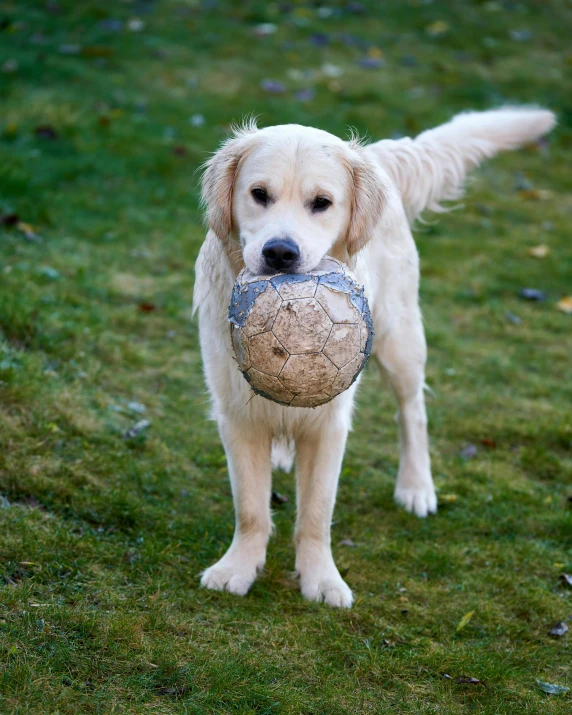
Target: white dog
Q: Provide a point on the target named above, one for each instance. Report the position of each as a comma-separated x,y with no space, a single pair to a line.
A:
281,198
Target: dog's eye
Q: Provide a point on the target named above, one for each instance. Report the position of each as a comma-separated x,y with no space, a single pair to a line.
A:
320,203
260,196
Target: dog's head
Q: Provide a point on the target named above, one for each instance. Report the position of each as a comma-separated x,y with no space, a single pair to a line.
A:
283,197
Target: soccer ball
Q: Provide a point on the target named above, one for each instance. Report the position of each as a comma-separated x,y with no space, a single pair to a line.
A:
300,339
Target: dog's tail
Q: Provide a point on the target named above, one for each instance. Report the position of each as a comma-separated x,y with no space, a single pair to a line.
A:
432,167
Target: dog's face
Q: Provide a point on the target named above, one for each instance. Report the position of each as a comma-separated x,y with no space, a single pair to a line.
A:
283,197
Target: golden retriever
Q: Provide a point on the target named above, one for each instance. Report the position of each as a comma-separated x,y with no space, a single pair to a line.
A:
281,198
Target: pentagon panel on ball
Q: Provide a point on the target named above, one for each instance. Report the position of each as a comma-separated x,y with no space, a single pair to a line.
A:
300,339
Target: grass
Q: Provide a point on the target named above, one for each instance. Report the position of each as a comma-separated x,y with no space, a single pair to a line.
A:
102,537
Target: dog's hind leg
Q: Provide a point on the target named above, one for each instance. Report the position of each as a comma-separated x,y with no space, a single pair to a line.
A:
402,352
248,456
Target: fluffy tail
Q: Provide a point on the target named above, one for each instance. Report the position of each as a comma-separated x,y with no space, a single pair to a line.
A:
432,167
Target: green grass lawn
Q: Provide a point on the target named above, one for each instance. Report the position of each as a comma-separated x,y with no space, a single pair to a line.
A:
106,112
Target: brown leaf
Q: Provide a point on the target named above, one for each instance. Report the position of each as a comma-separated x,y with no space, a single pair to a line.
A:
97,51
9,219
46,131
462,680
147,307
565,305
489,443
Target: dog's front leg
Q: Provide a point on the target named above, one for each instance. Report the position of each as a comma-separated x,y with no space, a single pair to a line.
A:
248,457
319,456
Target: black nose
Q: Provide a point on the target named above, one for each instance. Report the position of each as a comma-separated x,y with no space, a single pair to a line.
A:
281,254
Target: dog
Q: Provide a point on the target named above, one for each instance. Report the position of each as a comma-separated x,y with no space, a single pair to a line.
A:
280,199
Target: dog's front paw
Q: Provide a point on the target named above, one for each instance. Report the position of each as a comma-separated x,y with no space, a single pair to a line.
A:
333,591
420,501
234,573
325,585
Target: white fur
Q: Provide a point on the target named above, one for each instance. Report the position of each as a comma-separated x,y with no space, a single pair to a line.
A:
376,190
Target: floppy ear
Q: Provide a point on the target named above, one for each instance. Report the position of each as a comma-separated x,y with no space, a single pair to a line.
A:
219,177
368,200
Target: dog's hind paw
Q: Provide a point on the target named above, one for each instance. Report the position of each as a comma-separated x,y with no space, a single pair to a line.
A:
420,501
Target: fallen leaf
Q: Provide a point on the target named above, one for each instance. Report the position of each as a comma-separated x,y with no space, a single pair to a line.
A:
69,49
46,131
278,498
179,151
319,39
540,251
437,28
110,25
135,24
28,231
272,86
489,443
10,66
9,219
468,452
464,620
512,318
520,35
565,305
558,629
264,29
551,689
447,498
371,63
331,70
566,578
305,95
97,51
532,294
347,542
196,120
177,691
137,429
147,307
462,680
535,194
49,272
136,407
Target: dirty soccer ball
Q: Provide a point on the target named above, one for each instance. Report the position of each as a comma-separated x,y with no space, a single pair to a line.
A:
300,340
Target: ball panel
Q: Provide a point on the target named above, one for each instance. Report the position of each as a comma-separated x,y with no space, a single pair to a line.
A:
302,326
269,386
343,343
240,345
346,375
242,300
263,312
305,288
267,355
308,374
310,400
337,305
364,332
